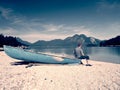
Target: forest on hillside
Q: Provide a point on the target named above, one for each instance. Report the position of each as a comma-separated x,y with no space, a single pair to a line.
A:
9,40
111,42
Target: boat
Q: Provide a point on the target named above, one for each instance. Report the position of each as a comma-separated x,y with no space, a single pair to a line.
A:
28,56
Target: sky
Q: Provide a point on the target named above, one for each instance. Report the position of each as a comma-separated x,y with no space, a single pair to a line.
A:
33,20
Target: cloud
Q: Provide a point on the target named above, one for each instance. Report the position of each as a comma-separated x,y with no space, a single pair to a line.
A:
5,12
105,6
60,32
32,37
108,4
106,31
52,27
38,36
11,20
63,29
9,31
33,29
77,30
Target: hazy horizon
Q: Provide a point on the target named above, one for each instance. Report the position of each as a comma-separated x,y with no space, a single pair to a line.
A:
33,20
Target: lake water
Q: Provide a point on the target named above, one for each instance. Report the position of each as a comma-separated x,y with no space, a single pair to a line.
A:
105,54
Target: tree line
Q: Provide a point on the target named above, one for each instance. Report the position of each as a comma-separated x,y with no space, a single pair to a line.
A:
9,40
111,42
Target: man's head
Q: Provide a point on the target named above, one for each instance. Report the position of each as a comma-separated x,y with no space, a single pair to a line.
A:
79,44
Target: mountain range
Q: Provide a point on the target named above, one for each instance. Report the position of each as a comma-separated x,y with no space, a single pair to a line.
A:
60,43
23,42
67,42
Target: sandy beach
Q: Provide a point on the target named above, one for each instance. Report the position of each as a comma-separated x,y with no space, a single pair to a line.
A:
99,76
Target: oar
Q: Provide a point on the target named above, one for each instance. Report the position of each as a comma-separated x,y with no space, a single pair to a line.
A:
56,56
46,54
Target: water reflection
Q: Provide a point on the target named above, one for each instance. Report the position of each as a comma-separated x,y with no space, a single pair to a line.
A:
107,54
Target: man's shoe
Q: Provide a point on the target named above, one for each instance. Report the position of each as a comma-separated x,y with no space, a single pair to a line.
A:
88,65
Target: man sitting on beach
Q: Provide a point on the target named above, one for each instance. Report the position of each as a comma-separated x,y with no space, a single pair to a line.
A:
78,53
